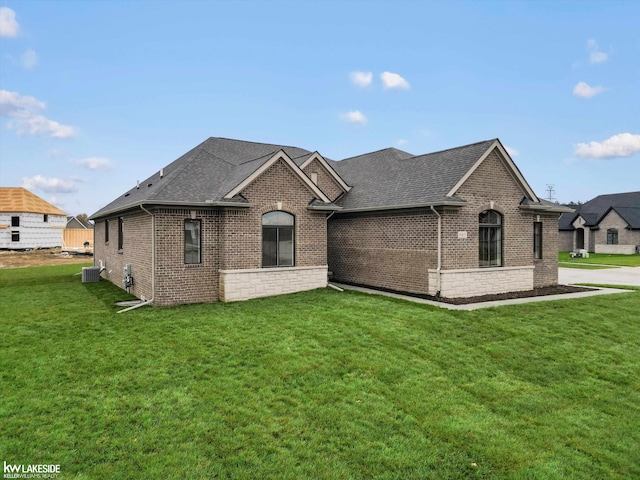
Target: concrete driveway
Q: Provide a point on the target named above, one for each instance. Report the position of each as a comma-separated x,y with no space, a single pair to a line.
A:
605,276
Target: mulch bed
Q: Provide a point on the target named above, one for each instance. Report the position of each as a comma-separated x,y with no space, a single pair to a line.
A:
536,292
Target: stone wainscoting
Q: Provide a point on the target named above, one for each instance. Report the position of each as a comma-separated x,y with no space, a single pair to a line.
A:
616,249
245,284
473,282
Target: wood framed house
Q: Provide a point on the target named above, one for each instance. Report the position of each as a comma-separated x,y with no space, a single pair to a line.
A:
232,220
27,221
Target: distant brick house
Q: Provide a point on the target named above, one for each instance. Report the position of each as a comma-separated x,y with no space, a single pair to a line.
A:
605,224
232,220
27,221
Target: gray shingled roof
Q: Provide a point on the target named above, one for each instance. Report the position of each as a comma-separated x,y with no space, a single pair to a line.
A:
627,205
388,178
393,178
205,173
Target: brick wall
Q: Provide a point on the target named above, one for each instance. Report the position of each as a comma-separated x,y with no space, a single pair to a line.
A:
396,251
136,251
392,250
177,282
326,182
613,220
241,230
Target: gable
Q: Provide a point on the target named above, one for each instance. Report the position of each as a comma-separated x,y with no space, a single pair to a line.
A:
491,178
282,157
325,180
497,151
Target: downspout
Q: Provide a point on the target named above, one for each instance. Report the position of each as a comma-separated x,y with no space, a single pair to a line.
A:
327,246
153,255
438,270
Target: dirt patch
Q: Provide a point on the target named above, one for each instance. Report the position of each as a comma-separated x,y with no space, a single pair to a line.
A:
39,258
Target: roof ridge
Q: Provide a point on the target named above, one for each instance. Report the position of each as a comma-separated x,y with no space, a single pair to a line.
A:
453,148
375,151
258,143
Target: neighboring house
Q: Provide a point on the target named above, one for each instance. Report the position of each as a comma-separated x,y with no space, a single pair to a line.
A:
605,224
27,221
232,220
77,237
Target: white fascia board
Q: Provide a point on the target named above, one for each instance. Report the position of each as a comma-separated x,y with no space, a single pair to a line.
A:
327,167
510,164
280,155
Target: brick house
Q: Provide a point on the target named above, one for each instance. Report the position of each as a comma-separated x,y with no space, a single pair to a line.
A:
605,224
232,220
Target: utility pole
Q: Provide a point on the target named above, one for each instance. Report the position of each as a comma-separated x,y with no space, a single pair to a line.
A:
551,192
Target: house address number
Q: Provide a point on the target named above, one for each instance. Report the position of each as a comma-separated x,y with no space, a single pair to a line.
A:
462,234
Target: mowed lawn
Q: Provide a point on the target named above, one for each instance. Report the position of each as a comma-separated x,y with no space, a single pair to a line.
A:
599,259
319,384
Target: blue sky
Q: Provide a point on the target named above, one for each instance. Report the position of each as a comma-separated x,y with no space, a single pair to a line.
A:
96,95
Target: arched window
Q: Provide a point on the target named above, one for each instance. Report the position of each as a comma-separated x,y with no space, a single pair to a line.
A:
278,234
612,236
490,239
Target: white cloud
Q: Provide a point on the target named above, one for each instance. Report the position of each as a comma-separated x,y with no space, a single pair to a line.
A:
595,55
356,117
621,145
402,141
26,119
512,151
8,25
50,185
29,59
393,80
584,90
94,163
361,79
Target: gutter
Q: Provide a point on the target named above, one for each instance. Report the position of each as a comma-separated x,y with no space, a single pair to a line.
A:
153,260
430,205
208,203
438,270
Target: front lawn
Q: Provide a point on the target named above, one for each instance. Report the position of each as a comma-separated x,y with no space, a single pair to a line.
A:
602,259
319,384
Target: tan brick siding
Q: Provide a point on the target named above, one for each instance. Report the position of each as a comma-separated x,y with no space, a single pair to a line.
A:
177,282
136,251
391,251
613,220
241,230
326,182
395,251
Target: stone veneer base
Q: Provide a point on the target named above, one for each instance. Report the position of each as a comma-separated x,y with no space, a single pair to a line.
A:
238,285
473,282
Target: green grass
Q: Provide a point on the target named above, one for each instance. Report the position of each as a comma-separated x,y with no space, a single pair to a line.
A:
319,384
583,266
602,259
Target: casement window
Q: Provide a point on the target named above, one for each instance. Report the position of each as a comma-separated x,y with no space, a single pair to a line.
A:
15,236
192,241
278,234
490,239
120,233
537,240
106,231
45,218
612,236
15,221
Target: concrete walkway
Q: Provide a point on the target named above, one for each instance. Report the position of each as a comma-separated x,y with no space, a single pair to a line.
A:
497,303
605,276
